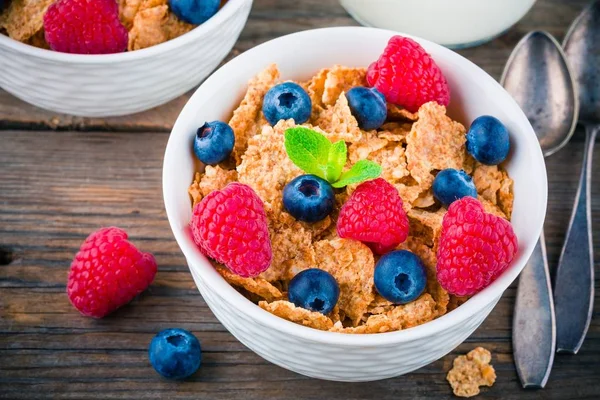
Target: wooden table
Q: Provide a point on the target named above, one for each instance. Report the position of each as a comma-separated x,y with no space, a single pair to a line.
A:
62,177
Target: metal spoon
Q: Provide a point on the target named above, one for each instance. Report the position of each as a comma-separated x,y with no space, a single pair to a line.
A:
574,286
537,76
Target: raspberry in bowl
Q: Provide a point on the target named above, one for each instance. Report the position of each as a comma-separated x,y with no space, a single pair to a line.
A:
111,58
369,334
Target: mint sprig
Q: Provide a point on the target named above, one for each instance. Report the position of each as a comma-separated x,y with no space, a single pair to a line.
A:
313,153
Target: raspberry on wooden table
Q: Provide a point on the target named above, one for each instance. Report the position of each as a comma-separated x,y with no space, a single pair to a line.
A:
85,27
230,226
108,272
374,215
407,75
474,249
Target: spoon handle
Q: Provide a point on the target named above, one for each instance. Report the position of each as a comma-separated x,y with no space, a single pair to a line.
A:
574,286
534,329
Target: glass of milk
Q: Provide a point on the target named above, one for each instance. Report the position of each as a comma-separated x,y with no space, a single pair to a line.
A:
452,23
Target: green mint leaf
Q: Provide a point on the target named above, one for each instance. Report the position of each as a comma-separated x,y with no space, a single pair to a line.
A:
336,161
308,149
361,171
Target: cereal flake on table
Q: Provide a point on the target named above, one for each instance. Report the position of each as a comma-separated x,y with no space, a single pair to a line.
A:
470,372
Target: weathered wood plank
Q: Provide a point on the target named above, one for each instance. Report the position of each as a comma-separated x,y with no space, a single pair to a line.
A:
273,18
54,193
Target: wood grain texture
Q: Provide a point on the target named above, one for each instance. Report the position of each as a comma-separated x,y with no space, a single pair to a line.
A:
56,187
273,18
53,195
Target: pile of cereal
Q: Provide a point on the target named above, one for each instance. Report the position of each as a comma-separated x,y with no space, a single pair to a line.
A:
101,26
471,371
351,202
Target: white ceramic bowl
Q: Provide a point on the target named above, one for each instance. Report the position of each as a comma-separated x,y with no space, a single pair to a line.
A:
455,23
124,83
328,355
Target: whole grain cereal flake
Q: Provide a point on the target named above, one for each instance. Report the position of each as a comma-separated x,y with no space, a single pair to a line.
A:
153,24
265,165
470,372
338,123
456,301
214,178
341,79
258,286
395,131
397,317
22,19
352,265
397,113
292,249
246,119
426,225
389,155
490,207
435,142
315,88
495,186
286,310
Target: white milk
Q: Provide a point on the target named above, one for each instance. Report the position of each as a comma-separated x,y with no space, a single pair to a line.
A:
453,23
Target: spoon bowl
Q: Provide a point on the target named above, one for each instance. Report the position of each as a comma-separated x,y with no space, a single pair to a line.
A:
539,79
582,48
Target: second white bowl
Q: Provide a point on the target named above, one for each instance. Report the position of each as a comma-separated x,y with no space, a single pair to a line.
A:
328,355
124,83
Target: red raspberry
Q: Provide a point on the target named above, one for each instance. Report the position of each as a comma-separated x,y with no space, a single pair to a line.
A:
85,27
374,215
408,76
474,249
230,226
108,272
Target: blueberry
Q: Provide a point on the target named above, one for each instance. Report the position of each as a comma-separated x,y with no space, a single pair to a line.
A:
488,141
213,142
308,198
400,276
368,107
314,290
451,184
287,100
194,12
175,353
